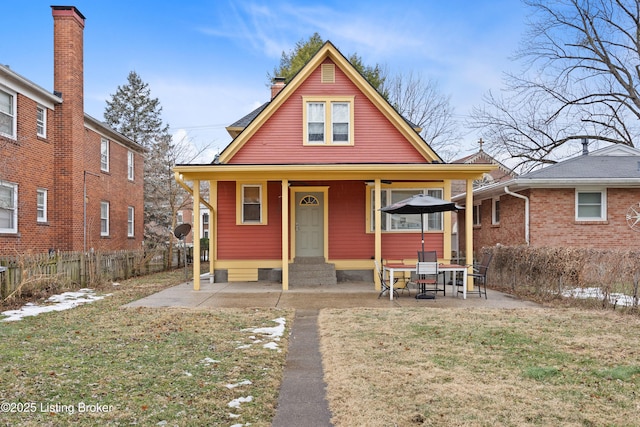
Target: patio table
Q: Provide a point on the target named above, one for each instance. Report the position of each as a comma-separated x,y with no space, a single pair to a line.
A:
447,268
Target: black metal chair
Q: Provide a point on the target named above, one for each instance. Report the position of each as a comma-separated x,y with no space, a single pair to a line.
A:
480,275
384,285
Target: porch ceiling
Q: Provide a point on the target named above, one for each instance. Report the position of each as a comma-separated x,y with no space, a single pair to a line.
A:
409,172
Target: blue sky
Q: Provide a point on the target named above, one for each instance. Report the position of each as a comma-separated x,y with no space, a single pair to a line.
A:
207,60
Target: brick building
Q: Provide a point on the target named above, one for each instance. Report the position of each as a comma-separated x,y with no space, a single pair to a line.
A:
68,182
589,201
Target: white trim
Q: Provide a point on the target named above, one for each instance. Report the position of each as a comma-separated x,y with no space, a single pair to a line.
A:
14,208
13,114
42,207
104,154
104,231
41,123
603,204
131,215
495,201
130,165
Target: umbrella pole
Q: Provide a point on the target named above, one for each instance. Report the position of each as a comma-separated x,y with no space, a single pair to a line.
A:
422,230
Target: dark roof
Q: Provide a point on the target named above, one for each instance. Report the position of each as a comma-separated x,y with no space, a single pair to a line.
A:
244,122
604,167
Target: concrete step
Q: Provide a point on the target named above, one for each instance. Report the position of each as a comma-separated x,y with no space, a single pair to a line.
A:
311,272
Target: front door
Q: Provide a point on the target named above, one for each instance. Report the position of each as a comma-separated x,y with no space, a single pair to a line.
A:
309,224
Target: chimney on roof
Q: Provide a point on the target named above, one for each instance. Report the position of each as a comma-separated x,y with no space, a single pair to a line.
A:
277,86
585,147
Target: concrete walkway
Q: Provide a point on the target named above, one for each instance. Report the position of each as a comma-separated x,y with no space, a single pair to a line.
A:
302,399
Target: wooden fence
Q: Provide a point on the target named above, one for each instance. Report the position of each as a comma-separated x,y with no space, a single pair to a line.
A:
82,269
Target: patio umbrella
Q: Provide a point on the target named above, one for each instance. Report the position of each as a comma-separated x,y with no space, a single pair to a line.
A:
420,204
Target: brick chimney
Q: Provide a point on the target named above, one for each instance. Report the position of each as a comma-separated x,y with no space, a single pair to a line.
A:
277,86
69,130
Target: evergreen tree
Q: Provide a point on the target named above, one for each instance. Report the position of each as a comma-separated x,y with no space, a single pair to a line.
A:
135,114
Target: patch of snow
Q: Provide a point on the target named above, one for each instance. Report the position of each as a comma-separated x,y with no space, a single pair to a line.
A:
244,382
242,347
274,333
187,373
209,361
614,298
233,415
235,403
64,301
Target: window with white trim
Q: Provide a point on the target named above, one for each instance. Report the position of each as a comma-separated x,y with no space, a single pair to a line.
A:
476,215
130,221
41,121
406,222
179,217
130,169
104,155
104,218
328,121
41,205
495,211
251,204
7,114
8,207
591,205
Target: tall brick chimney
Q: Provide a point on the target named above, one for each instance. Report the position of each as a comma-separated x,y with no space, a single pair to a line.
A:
68,81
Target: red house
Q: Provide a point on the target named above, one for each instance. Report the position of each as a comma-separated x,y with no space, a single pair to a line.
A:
298,191
67,181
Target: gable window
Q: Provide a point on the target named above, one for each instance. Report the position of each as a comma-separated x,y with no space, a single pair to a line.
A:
495,211
591,205
8,207
328,121
130,219
476,215
41,205
41,121
179,218
406,222
130,170
7,114
104,218
104,155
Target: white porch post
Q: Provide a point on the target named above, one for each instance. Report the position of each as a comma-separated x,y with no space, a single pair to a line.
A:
377,214
285,234
468,232
196,235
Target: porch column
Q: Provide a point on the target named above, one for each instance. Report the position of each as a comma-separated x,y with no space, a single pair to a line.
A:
468,232
285,234
213,228
196,235
377,215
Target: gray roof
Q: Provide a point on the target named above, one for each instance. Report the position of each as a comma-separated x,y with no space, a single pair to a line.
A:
244,122
605,167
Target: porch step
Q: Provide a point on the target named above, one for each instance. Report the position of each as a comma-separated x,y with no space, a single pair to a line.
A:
312,271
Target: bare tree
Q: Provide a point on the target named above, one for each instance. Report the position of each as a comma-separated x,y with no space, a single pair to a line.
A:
420,101
582,71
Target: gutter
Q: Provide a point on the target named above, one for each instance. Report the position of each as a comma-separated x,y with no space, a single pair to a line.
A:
526,211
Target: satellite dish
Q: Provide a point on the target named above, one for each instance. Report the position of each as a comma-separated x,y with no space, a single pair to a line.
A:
182,230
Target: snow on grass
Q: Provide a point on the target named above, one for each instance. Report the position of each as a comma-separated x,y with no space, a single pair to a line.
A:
614,298
271,333
60,302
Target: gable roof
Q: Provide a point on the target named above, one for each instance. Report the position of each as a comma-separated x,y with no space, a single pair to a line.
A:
254,120
613,166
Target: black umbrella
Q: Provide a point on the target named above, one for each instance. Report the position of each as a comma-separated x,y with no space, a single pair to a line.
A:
420,204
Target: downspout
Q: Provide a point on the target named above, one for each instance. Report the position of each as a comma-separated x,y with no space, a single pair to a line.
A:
526,212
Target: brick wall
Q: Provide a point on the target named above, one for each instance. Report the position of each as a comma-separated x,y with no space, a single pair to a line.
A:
552,221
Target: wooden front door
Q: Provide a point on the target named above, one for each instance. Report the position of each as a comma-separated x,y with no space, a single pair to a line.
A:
309,224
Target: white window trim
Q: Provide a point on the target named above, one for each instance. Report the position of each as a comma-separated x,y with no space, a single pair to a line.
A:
130,221
494,220
328,120
104,155
13,115
14,188
41,123
386,218
42,207
603,205
477,209
130,165
104,232
260,203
